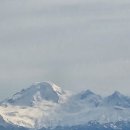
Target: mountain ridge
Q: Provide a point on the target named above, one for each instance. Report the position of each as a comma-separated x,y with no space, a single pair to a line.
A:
56,107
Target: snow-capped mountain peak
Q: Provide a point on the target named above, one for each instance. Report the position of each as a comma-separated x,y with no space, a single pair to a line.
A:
117,99
117,94
48,86
38,92
89,98
86,94
54,107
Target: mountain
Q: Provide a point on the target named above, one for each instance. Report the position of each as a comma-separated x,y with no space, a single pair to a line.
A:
117,99
38,92
34,105
46,106
88,97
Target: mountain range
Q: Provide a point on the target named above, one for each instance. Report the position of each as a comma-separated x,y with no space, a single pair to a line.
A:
45,106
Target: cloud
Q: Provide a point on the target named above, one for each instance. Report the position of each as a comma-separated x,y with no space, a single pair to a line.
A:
77,44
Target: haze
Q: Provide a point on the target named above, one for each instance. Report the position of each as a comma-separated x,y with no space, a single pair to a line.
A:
77,44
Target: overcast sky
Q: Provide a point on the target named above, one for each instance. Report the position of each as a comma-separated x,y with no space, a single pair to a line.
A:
77,44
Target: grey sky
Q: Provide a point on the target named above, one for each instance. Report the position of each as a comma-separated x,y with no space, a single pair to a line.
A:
78,44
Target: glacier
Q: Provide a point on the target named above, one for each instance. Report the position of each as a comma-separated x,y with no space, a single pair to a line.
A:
45,106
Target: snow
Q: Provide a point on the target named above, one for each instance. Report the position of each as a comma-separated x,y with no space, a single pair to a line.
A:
45,104
117,99
38,92
89,98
